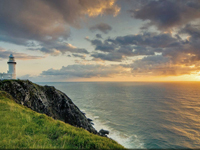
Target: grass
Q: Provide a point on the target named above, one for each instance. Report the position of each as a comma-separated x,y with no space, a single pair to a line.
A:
20,127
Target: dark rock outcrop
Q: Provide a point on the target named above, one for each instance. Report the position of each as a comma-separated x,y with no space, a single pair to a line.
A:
90,120
103,132
47,100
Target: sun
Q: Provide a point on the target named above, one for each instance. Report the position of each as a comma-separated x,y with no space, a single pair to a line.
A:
197,78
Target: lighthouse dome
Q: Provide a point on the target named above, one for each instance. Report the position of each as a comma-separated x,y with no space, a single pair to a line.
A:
11,59
11,55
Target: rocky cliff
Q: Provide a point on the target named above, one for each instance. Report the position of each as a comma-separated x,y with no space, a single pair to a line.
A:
47,100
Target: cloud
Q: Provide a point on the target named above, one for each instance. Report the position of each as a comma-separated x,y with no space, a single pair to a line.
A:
103,27
109,57
150,39
123,52
121,47
186,52
192,30
60,48
177,56
47,22
103,46
163,53
159,65
167,14
98,36
156,65
80,56
85,71
146,39
4,54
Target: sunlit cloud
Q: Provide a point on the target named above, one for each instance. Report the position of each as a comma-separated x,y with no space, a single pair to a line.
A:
47,22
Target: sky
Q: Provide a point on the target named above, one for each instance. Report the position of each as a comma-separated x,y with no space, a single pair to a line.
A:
101,40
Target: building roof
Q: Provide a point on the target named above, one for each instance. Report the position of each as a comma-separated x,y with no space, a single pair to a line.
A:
11,55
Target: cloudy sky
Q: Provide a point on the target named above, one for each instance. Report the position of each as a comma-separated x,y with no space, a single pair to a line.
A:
101,40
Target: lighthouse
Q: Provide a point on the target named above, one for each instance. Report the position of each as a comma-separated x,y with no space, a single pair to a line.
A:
11,73
12,67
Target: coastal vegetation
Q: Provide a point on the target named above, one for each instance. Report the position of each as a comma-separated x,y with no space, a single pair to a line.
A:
21,127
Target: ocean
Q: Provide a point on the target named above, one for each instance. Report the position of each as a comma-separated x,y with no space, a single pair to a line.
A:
141,114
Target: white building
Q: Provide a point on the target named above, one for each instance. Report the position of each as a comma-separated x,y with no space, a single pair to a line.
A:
11,74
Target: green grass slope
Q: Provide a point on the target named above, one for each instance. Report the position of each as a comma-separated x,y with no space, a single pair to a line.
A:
20,127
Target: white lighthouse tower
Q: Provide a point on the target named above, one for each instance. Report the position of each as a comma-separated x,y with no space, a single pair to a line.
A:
11,73
11,67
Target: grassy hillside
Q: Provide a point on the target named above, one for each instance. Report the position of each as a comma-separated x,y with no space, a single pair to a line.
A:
20,127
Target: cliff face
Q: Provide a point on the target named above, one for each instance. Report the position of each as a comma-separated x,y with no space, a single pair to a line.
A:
47,100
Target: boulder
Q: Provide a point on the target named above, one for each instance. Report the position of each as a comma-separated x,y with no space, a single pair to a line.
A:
103,132
90,120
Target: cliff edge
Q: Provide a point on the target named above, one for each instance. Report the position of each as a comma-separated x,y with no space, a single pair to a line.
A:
47,100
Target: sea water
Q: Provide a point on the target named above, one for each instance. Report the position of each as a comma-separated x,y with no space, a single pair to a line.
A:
141,114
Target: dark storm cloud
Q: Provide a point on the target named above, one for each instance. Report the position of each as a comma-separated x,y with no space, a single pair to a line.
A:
103,27
85,71
166,14
98,36
192,30
46,21
123,52
4,54
103,46
141,50
150,39
114,56
133,45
